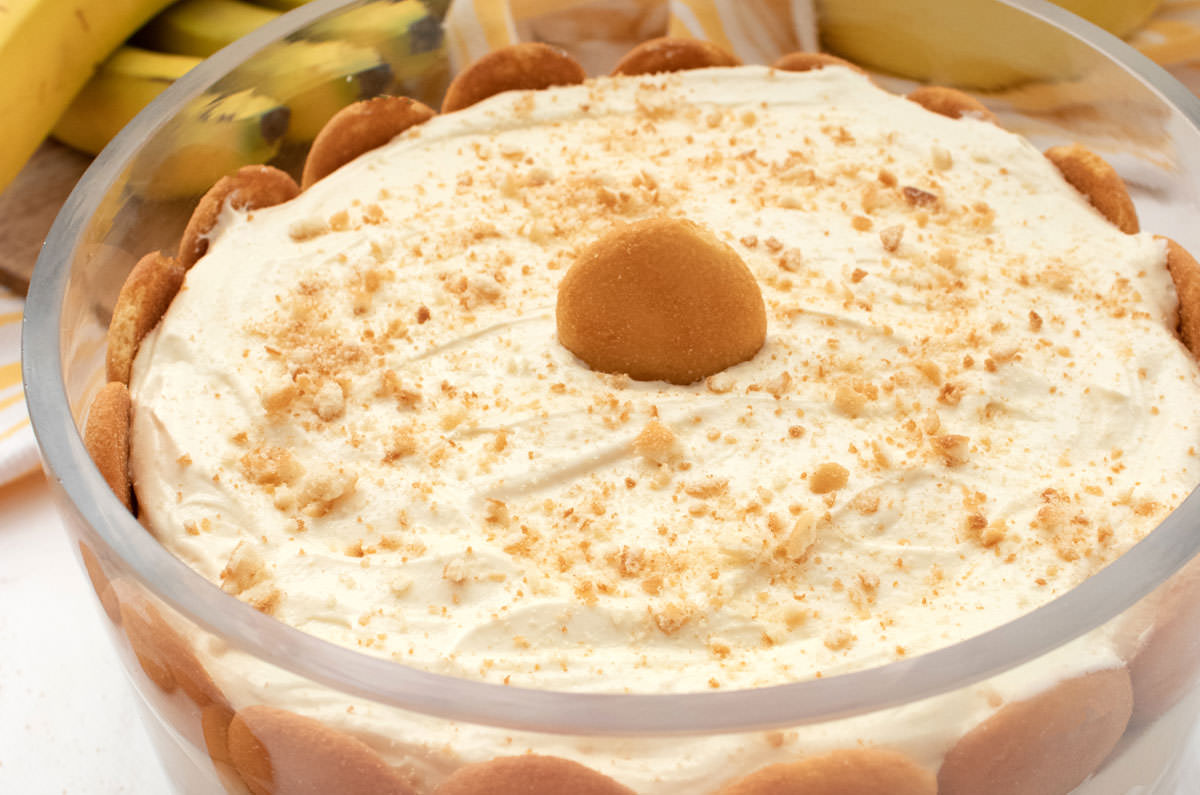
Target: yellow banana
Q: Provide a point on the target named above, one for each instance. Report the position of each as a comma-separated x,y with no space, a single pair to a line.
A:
201,27
48,50
315,79
213,136
407,36
973,42
387,46
290,89
122,86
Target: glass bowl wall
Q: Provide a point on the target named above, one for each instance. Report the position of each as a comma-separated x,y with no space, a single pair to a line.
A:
177,633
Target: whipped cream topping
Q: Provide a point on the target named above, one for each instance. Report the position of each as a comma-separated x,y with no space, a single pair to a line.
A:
356,416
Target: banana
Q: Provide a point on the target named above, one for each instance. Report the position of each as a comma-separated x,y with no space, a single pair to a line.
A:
122,86
201,27
315,79
215,135
387,46
972,45
282,95
48,50
405,34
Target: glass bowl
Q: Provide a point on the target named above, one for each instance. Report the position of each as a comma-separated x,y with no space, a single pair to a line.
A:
174,630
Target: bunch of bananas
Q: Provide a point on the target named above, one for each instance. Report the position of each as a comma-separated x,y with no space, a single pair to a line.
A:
279,99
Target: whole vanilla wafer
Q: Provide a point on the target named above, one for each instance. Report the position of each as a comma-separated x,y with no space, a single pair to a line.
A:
673,54
1099,183
1166,657
164,654
1044,745
950,102
141,626
807,61
359,128
662,299
276,752
527,66
100,583
248,188
529,775
145,296
106,437
1185,272
858,771
214,725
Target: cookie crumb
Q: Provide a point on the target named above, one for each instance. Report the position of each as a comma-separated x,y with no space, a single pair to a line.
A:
657,443
840,640
891,237
828,477
952,447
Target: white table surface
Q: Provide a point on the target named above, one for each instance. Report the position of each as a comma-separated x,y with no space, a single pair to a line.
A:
68,716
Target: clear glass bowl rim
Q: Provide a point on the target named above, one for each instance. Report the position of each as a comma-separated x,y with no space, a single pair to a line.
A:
1085,607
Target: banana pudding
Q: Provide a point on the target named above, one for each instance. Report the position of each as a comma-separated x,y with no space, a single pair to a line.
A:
689,381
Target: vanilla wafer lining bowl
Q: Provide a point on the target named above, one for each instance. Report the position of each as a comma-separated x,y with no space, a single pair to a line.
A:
1117,727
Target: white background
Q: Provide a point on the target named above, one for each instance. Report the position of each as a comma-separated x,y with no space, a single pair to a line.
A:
68,718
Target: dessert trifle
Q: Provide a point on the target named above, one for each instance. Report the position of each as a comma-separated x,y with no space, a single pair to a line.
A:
696,377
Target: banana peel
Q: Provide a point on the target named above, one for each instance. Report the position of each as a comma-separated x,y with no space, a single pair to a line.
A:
48,51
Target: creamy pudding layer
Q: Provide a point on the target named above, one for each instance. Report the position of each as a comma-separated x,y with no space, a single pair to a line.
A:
356,415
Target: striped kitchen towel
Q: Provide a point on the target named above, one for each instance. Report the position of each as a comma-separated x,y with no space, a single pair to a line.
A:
18,452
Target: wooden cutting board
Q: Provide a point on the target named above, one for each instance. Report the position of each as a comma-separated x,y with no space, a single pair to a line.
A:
28,207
